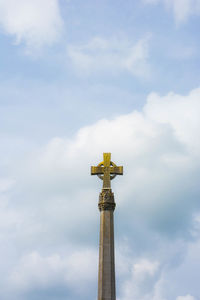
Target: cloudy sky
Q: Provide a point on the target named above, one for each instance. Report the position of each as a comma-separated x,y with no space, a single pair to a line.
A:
79,78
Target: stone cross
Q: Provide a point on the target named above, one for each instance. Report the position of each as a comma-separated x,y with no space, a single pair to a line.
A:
106,171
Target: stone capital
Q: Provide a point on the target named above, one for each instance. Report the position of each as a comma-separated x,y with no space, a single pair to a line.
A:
106,200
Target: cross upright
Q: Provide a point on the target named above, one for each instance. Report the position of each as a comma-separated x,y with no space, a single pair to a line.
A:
106,170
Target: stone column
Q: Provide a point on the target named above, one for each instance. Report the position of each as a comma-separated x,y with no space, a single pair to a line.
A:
106,279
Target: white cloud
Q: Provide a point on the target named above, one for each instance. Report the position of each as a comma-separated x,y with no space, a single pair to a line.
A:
187,297
180,113
141,280
34,270
182,9
157,198
6,184
145,267
159,148
33,22
150,279
111,56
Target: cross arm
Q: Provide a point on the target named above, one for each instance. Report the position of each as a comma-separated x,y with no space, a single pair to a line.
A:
96,170
116,170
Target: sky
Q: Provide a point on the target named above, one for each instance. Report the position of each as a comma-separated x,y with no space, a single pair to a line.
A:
79,78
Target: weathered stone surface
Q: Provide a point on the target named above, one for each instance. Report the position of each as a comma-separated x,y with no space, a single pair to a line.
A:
106,200
106,280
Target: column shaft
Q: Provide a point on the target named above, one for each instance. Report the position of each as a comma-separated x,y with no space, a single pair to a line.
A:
106,280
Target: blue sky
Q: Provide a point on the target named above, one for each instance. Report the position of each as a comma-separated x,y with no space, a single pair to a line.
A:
79,78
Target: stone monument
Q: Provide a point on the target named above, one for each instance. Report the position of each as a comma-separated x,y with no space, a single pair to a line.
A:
106,171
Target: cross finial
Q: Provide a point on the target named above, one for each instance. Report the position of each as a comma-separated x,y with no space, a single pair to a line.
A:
106,170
